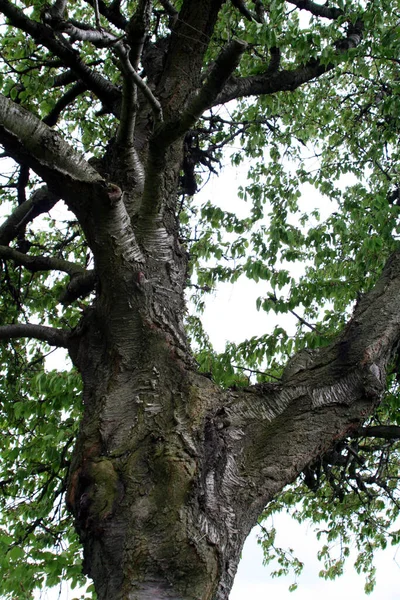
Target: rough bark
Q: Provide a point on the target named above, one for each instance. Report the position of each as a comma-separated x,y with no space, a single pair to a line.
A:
169,471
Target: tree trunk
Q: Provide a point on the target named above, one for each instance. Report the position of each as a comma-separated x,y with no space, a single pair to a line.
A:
170,472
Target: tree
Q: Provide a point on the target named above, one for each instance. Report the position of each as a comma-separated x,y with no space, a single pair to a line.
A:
170,454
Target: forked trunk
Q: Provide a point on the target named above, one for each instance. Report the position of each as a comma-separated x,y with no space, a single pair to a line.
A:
170,472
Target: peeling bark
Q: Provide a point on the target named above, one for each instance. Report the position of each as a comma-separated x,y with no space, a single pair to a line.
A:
170,472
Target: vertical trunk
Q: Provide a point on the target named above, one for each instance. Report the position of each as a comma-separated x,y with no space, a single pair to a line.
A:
170,472
135,485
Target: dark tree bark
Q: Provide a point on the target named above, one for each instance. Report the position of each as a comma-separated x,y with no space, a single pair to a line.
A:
170,472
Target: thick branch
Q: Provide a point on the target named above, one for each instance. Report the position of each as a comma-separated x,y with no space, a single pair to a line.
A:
40,263
277,429
41,201
70,76
225,64
267,83
77,32
53,337
80,286
387,432
286,80
318,10
111,13
26,137
69,97
190,39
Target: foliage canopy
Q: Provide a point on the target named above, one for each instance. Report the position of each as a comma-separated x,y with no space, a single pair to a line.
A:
326,119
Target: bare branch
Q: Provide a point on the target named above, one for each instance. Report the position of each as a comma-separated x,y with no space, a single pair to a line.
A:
387,432
99,38
40,263
137,30
50,335
318,10
69,76
129,72
69,97
80,286
41,201
111,13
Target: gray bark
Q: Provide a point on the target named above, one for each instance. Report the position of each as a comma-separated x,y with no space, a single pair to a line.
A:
170,472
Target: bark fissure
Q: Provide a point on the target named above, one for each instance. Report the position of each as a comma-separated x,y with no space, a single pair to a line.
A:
170,472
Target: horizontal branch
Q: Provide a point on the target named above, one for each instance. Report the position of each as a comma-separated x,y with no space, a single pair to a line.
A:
99,38
318,10
40,263
387,432
50,335
269,83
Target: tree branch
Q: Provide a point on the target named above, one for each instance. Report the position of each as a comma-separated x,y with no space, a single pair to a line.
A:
171,12
325,399
267,83
41,201
318,10
111,13
58,9
26,137
69,97
387,432
80,286
223,67
273,81
50,335
137,30
130,73
242,8
40,263
79,32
